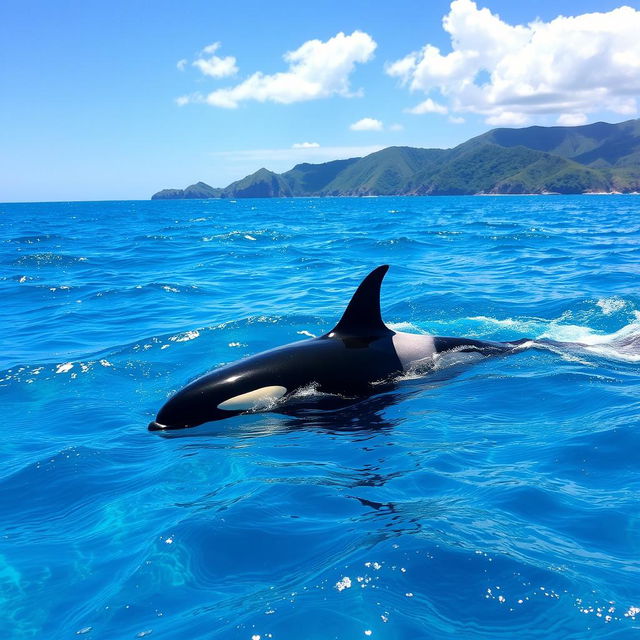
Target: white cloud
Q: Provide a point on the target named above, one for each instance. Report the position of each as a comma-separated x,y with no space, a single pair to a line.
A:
428,106
316,70
181,64
182,100
507,118
215,66
570,66
305,145
211,48
367,124
396,127
456,120
572,119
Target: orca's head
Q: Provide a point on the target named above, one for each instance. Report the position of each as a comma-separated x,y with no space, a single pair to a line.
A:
216,396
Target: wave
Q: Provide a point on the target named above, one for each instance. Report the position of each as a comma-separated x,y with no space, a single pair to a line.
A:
491,500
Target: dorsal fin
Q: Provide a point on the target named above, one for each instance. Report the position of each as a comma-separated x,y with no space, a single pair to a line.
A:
362,316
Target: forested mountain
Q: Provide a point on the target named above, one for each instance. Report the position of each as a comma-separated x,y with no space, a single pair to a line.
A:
590,158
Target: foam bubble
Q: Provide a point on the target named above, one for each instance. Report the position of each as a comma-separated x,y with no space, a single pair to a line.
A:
610,305
529,326
404,326
344,583
310,391
623,344
185,337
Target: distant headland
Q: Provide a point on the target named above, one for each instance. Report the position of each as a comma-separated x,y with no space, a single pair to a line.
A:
593,158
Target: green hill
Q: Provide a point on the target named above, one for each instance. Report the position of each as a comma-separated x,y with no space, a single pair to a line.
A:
261,184
386,172
599,144
591,158
198,190
305,179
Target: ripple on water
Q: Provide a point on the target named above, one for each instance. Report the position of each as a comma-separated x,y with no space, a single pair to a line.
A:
489,499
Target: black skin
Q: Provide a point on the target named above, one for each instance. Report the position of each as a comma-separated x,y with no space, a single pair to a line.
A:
348,361
338,365
467,345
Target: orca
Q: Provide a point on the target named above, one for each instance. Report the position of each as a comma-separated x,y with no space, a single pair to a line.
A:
351,360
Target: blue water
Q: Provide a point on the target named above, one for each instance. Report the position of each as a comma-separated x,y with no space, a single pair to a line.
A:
494,499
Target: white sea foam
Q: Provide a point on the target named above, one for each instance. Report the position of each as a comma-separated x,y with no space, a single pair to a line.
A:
611,305
623,344
455,357
404,326
530,326
344,583
186,336
309,391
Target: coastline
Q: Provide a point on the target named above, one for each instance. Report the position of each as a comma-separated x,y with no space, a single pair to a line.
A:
468,195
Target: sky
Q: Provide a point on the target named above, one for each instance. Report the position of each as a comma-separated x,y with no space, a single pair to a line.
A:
117,100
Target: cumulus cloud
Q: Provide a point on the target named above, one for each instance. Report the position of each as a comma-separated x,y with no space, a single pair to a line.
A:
569,66
572,119
305,145
428,106
181,64
317,69
213,65
505,118
367,124
211,48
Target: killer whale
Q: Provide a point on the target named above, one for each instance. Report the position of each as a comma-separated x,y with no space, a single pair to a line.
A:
350,360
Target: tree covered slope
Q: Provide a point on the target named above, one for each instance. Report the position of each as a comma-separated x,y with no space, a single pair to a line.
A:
591,158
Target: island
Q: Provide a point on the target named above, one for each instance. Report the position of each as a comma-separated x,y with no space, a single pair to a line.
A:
594,158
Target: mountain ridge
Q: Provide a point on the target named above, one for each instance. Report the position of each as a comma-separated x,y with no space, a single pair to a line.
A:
597,157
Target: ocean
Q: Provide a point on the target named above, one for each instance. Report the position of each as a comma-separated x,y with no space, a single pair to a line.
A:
490,499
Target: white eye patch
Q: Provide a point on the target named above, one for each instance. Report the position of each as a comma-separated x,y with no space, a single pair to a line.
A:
256,399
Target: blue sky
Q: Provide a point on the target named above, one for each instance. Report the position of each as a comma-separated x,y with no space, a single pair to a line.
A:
117,100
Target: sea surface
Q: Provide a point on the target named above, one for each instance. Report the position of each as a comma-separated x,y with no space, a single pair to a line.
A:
498,498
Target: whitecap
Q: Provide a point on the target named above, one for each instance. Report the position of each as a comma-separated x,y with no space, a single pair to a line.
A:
186,336
610,305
